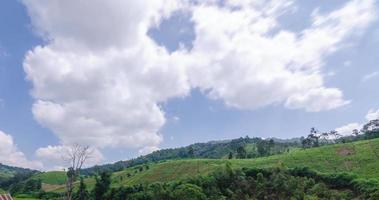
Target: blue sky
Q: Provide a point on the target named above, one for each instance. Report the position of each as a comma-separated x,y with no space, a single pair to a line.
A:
182,99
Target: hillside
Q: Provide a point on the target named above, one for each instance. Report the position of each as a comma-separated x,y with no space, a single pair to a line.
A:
7,172
255,147
360,158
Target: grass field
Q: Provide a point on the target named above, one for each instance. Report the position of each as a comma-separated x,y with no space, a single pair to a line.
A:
53,177
360,158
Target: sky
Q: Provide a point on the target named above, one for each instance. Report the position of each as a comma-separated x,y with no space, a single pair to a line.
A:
132,77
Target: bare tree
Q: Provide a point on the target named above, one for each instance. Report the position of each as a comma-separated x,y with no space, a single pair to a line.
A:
75,155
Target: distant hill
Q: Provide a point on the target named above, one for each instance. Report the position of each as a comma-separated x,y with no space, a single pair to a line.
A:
7,172
254,147
358,158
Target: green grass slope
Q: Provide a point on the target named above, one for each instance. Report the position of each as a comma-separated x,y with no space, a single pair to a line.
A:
51,181
53,177
360,158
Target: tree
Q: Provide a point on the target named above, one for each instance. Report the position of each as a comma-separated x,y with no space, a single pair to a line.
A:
189,192
271,145
312,139
262,148
306,143
355,132
191,152
102,186
314,136
230,156
76,155
82,193
241,152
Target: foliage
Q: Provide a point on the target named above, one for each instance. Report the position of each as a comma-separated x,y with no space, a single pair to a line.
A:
249,183
102,186
82,193
10,175
52,177
29,186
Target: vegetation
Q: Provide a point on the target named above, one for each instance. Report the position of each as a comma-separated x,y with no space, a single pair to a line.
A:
249,147
230,182
357,158
51,178
8,172
253,183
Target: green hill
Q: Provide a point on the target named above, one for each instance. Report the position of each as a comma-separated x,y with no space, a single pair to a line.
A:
9,171
52,177
360,158
52,180
254,147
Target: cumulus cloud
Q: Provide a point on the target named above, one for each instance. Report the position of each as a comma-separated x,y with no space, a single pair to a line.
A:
101,83
100,79
372,115
317,99
249,62
10,155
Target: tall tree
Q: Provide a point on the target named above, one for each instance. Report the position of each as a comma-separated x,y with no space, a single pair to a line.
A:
102,186
241,152
262,148
355,132
230,156
191,152
82,193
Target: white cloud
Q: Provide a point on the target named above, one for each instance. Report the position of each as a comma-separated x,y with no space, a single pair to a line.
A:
348,129
370,76
372,114
96,24
55,157
317,99
10,155
101,83
243,63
